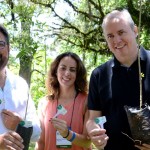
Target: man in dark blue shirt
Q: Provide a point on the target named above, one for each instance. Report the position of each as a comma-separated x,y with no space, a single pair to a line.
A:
116,84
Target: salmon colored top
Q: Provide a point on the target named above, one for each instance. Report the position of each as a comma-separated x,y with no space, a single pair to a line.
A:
48,110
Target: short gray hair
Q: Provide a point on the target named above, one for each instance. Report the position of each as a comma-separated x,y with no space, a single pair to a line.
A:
119,14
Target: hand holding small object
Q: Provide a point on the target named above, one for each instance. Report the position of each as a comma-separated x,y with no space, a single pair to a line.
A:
100,121
60,110
10,119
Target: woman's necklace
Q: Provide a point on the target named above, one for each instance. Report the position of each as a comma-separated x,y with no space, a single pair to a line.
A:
72,108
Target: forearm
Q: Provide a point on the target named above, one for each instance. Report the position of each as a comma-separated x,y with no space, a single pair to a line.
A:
1,141
80,139
90,124
39,145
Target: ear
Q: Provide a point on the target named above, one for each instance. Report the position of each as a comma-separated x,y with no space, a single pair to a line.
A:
136,30
8,48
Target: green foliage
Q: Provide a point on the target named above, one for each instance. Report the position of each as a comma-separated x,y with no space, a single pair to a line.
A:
144,39
39,72
78,30
32,145
13,64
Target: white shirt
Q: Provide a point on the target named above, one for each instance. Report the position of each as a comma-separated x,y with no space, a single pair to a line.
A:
14,97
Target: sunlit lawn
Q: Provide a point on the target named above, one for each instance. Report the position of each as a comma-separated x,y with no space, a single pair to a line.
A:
31,146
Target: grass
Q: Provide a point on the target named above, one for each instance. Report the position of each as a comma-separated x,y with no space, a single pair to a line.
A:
31,146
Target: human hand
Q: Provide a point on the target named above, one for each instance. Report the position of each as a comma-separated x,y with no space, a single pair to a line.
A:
143,147
60,125
10,119
98,137
11,140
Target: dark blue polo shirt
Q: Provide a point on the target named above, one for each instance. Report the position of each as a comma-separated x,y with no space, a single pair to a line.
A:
113,86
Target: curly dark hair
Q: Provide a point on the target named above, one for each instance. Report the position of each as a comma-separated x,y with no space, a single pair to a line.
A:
52,84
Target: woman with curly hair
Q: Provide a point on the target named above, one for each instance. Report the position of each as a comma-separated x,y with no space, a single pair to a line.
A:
67,87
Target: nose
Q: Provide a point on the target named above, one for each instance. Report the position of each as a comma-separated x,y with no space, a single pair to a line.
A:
116,39
67,72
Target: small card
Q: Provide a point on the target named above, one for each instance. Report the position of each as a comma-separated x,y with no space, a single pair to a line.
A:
62,142
100,121
60,110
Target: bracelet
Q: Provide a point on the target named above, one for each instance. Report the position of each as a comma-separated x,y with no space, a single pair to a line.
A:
73,137
67,134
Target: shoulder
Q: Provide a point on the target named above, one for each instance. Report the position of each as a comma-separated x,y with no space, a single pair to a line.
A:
81,102
15,80
13,77
148,52
144,52
43,101
82,96
42,104
106,66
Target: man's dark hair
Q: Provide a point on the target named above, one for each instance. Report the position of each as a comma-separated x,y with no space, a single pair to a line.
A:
5,33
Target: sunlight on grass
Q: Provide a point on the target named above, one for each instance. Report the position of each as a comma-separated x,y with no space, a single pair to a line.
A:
31,146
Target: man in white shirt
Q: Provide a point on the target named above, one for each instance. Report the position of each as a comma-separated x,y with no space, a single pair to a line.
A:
14,96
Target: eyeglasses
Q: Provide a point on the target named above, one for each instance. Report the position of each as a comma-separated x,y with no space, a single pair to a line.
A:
2,44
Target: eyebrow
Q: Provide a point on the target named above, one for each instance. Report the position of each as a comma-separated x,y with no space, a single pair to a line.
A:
69,67
109,34
73,67
121,30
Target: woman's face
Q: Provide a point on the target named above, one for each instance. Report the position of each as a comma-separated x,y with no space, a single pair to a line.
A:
66,72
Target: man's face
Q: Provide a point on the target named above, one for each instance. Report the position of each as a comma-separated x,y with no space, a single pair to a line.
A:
4,52
121,38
